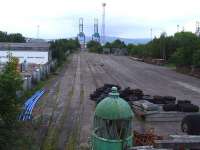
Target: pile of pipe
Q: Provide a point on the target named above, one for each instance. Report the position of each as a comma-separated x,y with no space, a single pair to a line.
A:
29,105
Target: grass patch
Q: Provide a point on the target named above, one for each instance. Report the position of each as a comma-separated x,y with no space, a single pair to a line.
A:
71,145
170,65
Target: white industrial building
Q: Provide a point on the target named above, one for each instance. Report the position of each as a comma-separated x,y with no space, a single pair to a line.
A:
32,53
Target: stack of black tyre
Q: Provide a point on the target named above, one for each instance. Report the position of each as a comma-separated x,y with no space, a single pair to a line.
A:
102,92
182,106
160,99
129,94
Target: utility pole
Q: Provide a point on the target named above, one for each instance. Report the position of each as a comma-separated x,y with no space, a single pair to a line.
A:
177,28
183,29
151,32
197,32
163,48
38,31
103,34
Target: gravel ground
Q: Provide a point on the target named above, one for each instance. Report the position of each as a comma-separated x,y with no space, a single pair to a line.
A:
67,111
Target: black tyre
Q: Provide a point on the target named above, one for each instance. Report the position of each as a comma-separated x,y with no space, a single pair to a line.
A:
158,100
185,127
191,124
184,102
170,107
169,99
188,108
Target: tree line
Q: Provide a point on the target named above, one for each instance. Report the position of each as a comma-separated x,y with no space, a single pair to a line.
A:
96,47
14,37
62,47
181,49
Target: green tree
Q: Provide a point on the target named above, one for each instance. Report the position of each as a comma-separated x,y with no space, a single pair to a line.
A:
94,47
118,44
3,36
186,40
108,45
15,37
10,83
196,58
153,48
182,57
60,47
10,104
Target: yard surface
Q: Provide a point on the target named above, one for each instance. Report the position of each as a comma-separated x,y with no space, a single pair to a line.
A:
66,112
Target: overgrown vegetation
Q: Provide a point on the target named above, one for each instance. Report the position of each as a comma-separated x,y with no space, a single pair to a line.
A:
62,47
14,134
14,37
96,47
10,104
182,49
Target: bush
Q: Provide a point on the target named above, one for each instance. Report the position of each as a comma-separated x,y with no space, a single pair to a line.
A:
196,58
94,47
182,57
60,47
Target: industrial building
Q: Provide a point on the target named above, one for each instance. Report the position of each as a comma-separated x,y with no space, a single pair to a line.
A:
32,53
35,61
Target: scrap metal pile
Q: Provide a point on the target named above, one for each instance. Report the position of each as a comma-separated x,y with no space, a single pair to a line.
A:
169,103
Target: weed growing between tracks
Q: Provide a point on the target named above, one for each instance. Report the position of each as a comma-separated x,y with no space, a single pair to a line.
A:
51,139
74,138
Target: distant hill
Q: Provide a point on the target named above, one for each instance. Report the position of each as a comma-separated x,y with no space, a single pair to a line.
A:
126,40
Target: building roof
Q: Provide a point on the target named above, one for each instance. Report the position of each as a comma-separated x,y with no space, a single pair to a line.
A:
43,46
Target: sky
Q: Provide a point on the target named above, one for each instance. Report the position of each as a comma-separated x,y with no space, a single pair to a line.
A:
124,18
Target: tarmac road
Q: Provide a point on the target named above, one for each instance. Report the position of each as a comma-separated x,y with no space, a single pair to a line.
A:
72,113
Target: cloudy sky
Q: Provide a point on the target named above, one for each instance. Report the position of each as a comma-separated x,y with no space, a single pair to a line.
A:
124,18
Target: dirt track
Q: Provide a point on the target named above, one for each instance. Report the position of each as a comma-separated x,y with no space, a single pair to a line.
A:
68,112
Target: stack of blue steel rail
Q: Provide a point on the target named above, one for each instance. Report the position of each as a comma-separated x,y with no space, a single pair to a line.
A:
29,105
